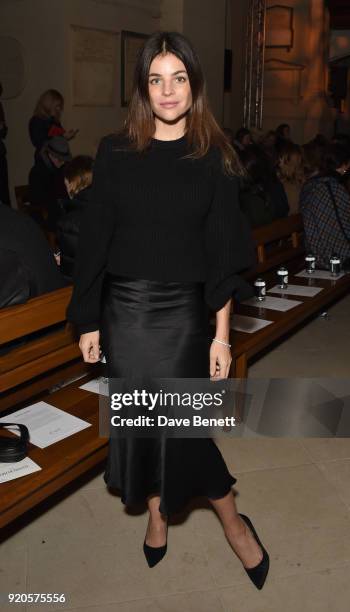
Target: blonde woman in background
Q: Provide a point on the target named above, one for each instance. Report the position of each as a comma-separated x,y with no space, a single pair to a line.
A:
46,120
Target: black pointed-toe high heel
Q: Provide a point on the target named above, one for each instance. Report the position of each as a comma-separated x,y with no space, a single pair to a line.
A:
154,554
258,573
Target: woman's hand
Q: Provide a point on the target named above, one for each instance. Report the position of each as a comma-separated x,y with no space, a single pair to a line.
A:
89,345
220,360
69,134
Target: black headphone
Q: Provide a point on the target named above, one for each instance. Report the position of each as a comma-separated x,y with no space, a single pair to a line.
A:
12,449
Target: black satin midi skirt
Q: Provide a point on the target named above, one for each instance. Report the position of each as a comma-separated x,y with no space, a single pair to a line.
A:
159,329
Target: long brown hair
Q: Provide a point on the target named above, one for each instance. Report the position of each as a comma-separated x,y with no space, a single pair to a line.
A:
290,166
202,130
47,102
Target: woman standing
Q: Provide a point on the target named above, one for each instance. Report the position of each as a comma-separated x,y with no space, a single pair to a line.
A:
161,243
46,120
4,183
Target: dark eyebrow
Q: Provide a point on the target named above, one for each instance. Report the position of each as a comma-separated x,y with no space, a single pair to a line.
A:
159,75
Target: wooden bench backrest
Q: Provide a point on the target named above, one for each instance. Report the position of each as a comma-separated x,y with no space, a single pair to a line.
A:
50,355
278,243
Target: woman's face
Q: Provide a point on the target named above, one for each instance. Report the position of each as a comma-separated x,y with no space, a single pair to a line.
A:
246,140
270,140
286,132
57,110
169,88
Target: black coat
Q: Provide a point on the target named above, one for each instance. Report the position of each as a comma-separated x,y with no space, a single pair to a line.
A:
41,129
263,206
68,230
14,285
279,199
46,186
3,131
22,236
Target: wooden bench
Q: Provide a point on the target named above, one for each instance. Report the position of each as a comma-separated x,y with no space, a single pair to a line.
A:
46,355
280,243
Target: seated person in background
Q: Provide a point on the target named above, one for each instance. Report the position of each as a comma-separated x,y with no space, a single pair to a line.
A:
344,141
27,257
78,178
325,203
282,136
268,143
313,153
46,181
46,120
290,173
262,196
242,140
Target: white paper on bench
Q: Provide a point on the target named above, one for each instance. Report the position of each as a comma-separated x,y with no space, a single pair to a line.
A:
304,290
10,471
96,385
248,324
47,424
324,274
273,303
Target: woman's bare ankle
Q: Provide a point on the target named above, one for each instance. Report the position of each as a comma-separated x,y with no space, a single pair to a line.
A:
242,540
156,532
236,527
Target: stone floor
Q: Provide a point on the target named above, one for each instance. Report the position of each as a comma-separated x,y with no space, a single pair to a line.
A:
296,491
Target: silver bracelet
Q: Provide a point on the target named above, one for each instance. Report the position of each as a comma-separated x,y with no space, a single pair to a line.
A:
221,342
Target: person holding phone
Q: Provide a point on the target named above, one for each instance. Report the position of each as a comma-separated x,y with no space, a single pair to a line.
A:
161,245
46,120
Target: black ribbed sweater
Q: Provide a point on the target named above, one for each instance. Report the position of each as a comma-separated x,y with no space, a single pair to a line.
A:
156,216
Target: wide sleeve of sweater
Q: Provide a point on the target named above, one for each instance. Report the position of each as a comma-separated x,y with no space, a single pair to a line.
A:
228,243
96,231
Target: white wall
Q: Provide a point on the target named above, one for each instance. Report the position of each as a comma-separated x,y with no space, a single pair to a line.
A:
134,16
204,25
43,29
43,47
203,22
171,15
